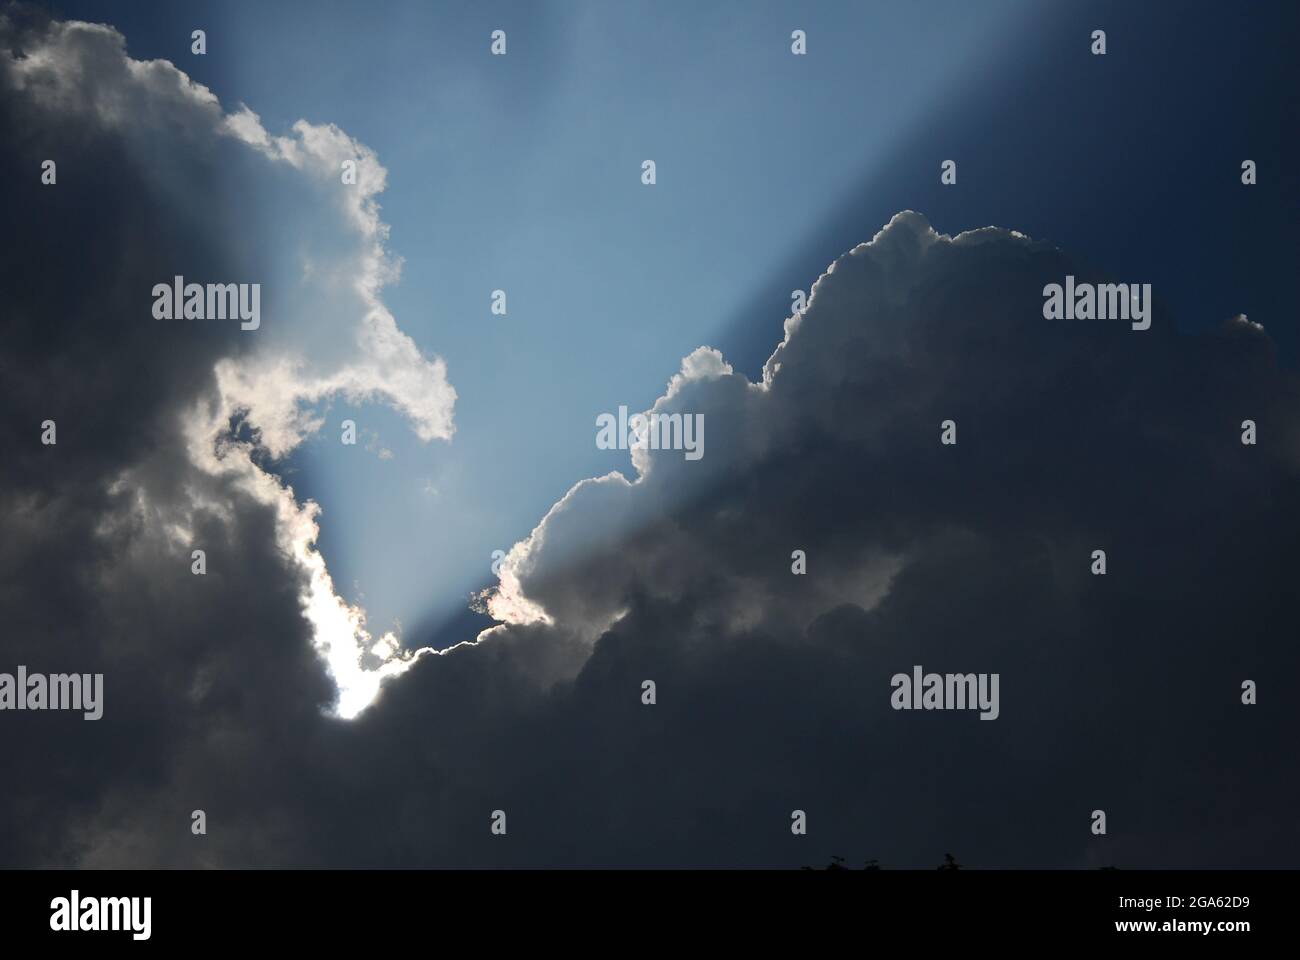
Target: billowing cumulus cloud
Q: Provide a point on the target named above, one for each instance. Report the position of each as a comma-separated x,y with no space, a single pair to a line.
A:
1119,692
257,208
773,687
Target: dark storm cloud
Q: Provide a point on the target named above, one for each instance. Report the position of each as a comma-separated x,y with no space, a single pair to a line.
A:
1118,692
153,180
83,589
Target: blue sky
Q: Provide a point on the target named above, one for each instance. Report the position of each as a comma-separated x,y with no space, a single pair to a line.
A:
523,173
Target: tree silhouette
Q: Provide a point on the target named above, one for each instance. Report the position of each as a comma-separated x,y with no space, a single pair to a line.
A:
837,863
